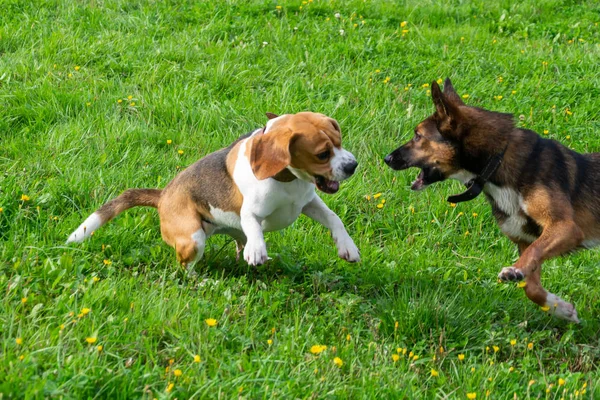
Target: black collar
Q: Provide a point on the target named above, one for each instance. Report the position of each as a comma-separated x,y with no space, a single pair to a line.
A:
475,185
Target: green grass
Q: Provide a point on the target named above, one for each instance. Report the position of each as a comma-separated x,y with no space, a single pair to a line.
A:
203,73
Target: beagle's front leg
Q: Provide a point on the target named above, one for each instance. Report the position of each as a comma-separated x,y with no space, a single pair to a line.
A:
255,251
316,209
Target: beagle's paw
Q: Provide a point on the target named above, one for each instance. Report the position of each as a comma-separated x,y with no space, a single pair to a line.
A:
511,274
347,250
561,308
255,253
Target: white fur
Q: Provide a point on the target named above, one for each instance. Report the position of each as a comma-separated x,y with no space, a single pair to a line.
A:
227,219
341,158
85,230
561,308
463,176
270,205
512,204
200,238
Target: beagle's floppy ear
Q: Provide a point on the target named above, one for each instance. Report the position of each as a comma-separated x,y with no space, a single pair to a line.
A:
270,153
270,115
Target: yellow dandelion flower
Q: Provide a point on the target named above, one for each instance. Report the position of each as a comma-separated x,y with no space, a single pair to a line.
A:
376,196
395,357
491,363
546,131
21,357
545,308
171,361
99,348
511,369
88,104
467,233
180,151
471,396
132,103
19,341
355,25
426,85
472,369
475,214
496,349
411,354
269,342
196,358
531,382
548,389
386,80
494,41
169,141
91,340
177,372
514,92
24,300
211,322
338,361
107,262
544,63
119,101
318,348
567,137
434,373
439,81
170,387
85,310
530,346
278,7
129,97
461,357
462,38
77,68
70,75
500,79
1,209
561,382
348,337
522,284
380,205
465,96
415,358
513,342
24,197
62,326
569,112
403,24
498,97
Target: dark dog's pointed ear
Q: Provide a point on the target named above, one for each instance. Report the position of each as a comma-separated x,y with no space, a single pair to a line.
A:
451,94
438,99
270,115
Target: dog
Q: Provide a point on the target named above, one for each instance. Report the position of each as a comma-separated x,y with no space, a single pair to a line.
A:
260,183
544,196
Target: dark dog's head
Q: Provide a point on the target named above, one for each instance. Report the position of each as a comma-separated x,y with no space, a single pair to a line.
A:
451,143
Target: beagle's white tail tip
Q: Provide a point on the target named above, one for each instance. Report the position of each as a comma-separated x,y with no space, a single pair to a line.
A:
85,230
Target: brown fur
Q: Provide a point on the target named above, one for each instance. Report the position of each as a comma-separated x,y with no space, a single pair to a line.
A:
559,188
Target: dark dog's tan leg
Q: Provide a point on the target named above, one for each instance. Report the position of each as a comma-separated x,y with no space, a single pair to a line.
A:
556,239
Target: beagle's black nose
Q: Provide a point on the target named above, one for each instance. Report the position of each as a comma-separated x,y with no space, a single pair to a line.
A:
350,167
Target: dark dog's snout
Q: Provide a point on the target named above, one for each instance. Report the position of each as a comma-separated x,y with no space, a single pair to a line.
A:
350,168
388,159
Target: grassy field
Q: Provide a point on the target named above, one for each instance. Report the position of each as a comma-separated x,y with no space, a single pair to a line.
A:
100,96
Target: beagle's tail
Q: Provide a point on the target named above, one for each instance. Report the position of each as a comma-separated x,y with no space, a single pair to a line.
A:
127,199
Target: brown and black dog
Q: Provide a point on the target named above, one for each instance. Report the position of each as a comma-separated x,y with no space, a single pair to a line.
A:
544,196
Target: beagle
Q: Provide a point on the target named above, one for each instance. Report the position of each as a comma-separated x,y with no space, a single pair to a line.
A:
260,183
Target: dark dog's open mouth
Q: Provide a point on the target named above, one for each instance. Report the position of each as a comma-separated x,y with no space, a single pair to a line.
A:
426,177
325,185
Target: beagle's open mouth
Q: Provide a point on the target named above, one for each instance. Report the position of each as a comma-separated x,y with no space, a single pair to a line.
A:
325,185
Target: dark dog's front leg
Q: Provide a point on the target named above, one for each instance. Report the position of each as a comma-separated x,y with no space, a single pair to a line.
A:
556,239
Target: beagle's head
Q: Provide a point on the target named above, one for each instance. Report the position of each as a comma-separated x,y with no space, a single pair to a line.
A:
308,144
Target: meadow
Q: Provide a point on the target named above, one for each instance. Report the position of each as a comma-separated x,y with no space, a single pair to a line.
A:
100,96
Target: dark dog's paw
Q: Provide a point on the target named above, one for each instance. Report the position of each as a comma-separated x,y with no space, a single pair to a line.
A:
511,274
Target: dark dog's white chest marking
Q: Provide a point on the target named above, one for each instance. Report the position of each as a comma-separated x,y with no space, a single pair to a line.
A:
511,203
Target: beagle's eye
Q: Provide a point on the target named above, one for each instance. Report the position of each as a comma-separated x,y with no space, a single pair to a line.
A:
324,155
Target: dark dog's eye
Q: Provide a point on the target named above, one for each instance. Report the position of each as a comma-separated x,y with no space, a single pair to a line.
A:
324,155
417,137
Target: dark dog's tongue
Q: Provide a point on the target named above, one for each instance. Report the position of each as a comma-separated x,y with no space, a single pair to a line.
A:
419,183
327,186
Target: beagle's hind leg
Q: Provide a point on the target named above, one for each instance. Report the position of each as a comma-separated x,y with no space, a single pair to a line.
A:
183,231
